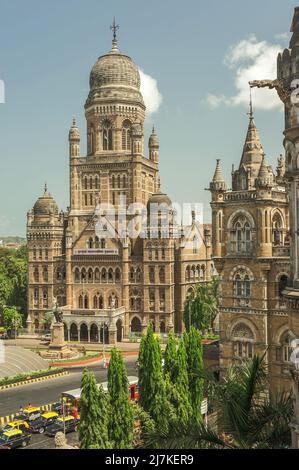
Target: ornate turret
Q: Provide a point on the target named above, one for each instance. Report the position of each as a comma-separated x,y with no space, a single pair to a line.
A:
252,156
74,140
265,176
218,183
280,170
153,145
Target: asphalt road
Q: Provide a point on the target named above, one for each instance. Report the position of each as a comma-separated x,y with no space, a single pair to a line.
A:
42,393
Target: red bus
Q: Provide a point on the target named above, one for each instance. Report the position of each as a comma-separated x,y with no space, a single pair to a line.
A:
71,398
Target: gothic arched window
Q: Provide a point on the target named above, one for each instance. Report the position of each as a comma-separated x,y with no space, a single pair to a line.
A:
243,340
195,244
126,135
162,274
107,135
36,275
242,287
277,230
241,236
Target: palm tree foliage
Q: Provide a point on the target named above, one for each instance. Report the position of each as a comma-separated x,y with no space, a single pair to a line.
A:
248,417
201,305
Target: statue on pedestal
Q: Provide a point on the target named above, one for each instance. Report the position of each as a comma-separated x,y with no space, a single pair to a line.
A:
58,314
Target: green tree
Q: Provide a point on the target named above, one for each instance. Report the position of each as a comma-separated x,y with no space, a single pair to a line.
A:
13,278
5,289
121,417
150,368
47,320
201,306
154,392
93,407
12,319
247,417
170,357
183,405
194,353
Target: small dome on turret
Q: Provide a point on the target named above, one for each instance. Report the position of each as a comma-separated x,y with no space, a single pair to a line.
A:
45,205
74,133
153,139
159,198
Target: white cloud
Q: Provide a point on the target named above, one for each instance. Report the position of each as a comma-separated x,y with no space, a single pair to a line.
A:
150,92
282,36
249,60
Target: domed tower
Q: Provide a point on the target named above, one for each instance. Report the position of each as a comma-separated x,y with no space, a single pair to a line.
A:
45,225
114,103
115,167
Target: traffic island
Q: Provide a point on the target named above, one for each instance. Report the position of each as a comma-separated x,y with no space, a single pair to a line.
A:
31,377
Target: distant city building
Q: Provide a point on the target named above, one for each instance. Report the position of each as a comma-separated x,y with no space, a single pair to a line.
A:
112,285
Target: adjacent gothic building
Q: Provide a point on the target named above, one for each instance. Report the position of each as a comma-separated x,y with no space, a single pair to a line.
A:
251,254
109,283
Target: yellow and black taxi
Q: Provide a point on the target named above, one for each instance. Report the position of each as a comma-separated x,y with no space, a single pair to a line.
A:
14,439
40,424
16,424
68,423
29,414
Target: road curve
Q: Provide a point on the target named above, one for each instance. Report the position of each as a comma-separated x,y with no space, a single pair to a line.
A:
42,393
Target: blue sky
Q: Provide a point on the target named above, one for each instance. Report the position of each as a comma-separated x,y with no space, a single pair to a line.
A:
194,49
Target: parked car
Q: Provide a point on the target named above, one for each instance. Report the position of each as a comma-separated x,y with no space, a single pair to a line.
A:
29,414
14,438
57,407
40,424
46,337
69,422
16,424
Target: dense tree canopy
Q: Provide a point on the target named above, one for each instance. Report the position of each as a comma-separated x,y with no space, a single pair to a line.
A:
201,306
13,279
121,416
93,431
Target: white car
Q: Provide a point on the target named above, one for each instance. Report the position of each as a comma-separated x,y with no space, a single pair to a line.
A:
47,337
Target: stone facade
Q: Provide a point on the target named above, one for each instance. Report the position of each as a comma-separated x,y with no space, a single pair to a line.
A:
107,282
251,254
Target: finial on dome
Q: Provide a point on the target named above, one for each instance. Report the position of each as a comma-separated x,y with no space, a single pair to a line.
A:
114,27
153,130
74,122
46,188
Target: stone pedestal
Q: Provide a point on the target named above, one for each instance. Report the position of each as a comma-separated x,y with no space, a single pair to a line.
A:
58,348
57,341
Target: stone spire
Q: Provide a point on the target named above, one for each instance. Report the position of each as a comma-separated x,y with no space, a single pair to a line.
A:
253,150
218,183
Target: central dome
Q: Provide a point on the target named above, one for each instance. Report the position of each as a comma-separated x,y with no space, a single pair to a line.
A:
114,69
116,76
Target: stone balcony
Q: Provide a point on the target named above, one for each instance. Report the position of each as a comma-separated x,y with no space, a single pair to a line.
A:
98,315
281,251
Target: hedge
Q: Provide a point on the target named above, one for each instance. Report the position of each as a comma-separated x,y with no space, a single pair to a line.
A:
30,375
